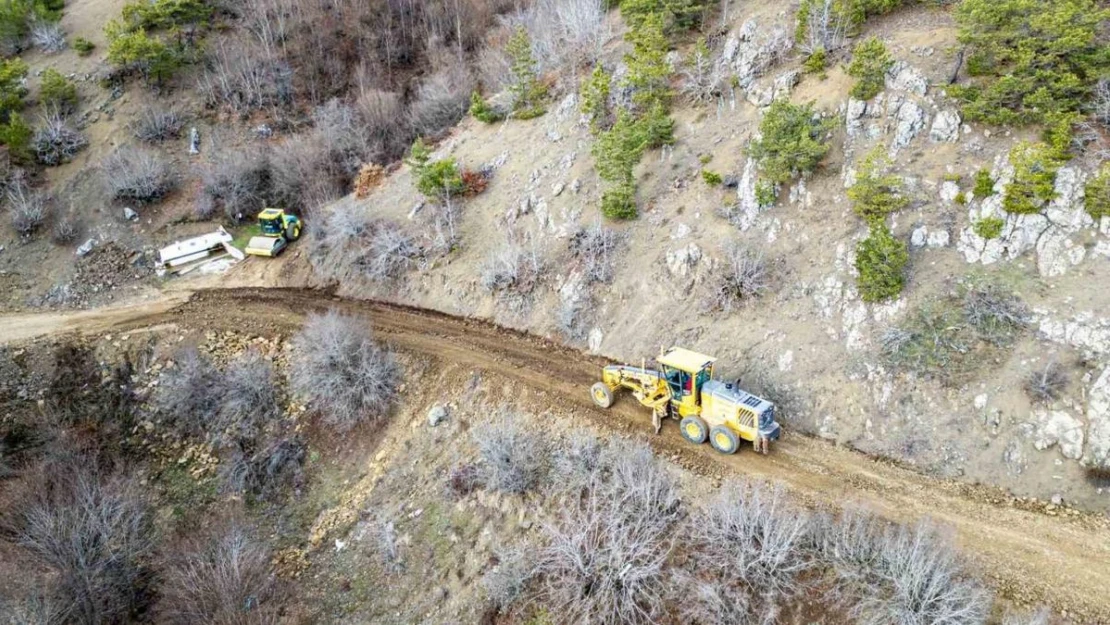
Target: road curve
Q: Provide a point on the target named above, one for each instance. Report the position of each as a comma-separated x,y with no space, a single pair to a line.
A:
1026,555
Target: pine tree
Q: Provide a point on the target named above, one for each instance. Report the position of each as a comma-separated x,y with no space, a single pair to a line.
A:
647,64
595,98
525,88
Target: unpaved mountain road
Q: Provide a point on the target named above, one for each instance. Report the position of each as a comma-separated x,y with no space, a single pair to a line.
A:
1027,555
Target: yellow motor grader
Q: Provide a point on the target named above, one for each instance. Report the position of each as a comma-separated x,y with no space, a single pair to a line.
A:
683,388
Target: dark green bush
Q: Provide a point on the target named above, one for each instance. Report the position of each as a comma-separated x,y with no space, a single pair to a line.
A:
711,178
16,135
656,127
817,62
1030,58
675,15
1097,194
619,149
989,227
881,261
984,184
165,14
436,180
870,62
619,202
135,51
1034,184
12,91
482,111
83,46
766,194
793,139
876,194
58,92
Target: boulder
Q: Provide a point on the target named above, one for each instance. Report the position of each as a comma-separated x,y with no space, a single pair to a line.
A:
437,415
904,77
1056,427
129,214
680,261
86,247
1098,415
946,127
910,120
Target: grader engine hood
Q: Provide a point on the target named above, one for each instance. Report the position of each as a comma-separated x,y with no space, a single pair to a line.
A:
728,398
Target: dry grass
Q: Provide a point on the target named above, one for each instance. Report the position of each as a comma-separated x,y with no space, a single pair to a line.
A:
27,209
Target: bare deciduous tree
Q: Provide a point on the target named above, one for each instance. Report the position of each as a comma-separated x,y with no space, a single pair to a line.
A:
48,36
605,561
744,276
138,174
95,533
342,372
514,456
190,392
595,248
27,209
224,580
155,125
56,141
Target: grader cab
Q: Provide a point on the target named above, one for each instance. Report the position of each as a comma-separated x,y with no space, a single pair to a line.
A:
683,388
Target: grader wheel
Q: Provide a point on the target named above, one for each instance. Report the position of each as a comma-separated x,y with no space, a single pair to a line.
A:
724,440
694,430
602,394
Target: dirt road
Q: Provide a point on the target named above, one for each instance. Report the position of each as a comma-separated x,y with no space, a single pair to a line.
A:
1028,555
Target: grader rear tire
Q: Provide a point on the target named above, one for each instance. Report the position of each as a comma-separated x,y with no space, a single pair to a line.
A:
602,394
694,430
724,440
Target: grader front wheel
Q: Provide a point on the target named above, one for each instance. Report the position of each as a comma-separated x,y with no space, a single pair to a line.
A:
602,394
724,440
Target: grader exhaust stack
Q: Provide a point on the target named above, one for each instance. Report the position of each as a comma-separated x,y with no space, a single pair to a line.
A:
683,388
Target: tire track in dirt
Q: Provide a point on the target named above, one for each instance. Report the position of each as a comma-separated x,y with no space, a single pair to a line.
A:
1028,557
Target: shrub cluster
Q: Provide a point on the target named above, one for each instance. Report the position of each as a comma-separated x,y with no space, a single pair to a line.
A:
57,93
594,249
345,376
56,141
870,63
1097,194
1030,58
623,547
875,194
27,209
793,139
989,227
823,26
155,125
744,277
881,261
514,455
950,338
1034,183
19,19
238,411
14,132
138,174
